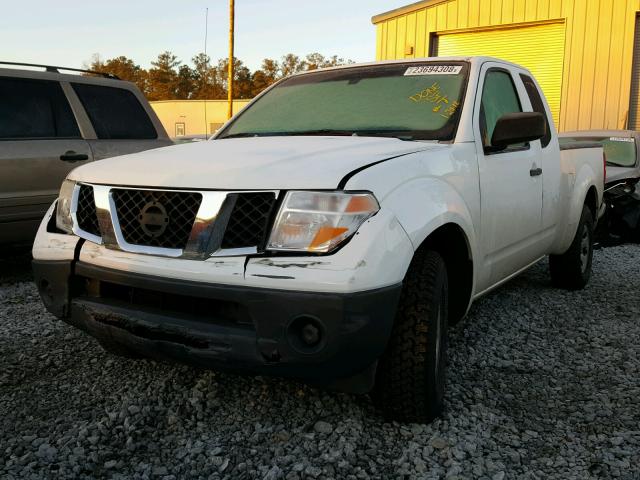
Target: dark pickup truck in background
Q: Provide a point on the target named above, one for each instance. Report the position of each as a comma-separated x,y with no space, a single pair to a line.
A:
621,222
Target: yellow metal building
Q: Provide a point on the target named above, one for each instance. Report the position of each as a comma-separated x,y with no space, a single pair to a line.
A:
193,117
584,53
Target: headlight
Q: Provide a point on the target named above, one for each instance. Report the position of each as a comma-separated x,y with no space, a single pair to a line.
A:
63,213
319,221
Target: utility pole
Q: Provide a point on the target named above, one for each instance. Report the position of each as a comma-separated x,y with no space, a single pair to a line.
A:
206,72
230,78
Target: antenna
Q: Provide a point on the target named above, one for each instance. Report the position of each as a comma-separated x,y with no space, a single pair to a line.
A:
206,71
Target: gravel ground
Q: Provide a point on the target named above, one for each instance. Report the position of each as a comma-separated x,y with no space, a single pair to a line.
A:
543,384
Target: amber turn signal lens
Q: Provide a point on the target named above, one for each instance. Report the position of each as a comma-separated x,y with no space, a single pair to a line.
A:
361,204
326,234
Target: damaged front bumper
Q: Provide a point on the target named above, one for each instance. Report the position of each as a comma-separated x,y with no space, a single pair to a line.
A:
323,319
331,339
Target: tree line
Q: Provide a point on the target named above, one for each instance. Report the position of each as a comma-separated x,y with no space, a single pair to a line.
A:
171,79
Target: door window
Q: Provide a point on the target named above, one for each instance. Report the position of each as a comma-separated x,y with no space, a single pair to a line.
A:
537,104
499,97
115,113
34,109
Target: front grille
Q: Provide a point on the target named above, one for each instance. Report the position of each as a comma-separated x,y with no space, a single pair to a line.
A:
156,218
86,212
249,220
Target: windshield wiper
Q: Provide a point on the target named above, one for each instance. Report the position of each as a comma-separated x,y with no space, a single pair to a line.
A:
324,131
406,135
291,134
241,135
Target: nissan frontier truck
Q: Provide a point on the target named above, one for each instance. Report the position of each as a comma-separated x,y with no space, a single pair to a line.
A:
331,231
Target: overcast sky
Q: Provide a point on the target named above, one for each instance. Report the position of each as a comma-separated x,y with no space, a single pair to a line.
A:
68,33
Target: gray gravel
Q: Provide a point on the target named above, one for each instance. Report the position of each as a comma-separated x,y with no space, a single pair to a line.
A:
543,384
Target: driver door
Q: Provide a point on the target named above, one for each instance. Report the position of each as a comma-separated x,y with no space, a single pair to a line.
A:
510,181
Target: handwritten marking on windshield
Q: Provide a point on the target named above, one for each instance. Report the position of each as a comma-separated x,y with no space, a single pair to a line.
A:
431,94
434,94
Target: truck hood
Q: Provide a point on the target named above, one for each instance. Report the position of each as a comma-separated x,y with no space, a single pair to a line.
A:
276,163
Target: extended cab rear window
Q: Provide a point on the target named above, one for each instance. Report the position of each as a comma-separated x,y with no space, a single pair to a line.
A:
419,100
538,105
34,109
115,112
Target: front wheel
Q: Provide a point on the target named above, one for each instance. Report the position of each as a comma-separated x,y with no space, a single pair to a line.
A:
572,269
411,373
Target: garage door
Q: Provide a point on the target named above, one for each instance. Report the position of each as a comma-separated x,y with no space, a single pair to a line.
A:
539,48
634,104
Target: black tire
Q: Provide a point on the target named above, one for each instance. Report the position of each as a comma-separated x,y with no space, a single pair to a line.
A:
119,349
572,269
410,378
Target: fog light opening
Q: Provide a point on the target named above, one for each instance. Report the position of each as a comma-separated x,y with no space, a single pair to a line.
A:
306,334
310,334
45,291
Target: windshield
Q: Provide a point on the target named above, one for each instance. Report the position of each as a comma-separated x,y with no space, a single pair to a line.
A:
620,151
408,101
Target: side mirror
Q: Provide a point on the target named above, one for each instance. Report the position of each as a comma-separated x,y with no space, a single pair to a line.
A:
514,128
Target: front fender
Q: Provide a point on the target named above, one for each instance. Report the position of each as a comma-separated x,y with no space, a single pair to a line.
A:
425,204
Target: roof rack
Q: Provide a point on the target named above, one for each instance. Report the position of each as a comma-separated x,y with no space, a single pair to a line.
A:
54,69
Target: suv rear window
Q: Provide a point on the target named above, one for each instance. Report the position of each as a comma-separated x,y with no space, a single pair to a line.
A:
34,109
114,112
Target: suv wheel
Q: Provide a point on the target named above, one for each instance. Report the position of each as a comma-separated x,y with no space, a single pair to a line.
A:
411,373
572,269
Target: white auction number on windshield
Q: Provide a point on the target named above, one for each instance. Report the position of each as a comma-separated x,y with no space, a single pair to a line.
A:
433,70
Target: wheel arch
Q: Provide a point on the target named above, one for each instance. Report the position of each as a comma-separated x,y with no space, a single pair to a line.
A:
451,242
591,201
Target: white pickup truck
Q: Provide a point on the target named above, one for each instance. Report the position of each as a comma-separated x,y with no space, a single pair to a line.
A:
331,231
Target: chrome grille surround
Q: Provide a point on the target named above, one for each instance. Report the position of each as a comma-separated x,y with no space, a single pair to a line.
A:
206,234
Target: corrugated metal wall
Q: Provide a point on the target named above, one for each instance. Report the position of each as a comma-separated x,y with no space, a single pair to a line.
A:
634,104
540,48
598,46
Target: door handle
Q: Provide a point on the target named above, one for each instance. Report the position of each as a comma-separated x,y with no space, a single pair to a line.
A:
72,156
534,172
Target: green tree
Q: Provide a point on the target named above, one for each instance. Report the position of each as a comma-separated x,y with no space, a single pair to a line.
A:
96,64
163,77
242,78
264,76
271,69
291,64
124,68
185,83
168,79
317,60
208,79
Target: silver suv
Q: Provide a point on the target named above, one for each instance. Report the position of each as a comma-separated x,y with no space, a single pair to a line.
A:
51,123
